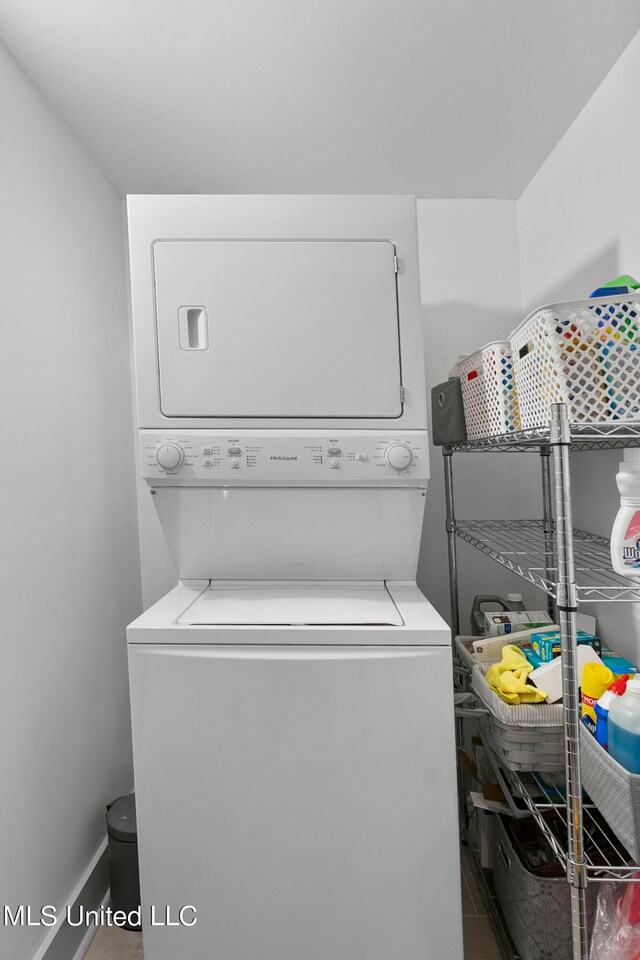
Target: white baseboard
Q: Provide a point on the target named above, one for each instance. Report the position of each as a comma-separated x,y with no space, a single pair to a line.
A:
64,942
89,936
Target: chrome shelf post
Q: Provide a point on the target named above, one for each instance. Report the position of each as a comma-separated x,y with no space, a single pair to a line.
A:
566,596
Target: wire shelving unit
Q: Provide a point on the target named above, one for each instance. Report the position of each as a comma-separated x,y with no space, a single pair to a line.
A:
571,567
605,857
524,547
583,436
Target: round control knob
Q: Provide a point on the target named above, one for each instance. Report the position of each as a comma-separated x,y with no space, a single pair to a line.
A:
398,456
170,456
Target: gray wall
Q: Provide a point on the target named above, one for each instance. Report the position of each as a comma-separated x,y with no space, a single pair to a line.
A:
579,226
70,561
470,278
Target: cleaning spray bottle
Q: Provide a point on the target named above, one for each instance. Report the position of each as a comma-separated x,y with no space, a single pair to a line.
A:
625,536
596,678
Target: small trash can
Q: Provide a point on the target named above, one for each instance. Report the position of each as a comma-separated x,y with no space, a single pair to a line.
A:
124,875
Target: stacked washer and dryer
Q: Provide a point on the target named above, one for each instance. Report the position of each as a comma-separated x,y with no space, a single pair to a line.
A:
291,698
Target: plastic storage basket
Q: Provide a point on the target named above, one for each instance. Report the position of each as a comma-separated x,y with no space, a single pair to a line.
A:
528,736
614,790
488,391
583,353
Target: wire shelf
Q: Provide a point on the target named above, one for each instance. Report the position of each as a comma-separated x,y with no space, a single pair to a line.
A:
584,436
524,547
605,857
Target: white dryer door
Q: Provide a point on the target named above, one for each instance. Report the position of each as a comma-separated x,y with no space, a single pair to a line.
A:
302,800
250,328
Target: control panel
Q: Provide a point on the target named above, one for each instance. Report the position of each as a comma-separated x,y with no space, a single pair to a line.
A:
284,457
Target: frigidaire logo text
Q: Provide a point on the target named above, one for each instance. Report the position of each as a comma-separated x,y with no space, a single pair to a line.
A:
284,458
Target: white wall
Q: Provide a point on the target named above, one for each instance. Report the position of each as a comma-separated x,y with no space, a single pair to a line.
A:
70,562
579,226
470,279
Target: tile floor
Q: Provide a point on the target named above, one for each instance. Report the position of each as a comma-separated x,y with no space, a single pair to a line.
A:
111,943
479,939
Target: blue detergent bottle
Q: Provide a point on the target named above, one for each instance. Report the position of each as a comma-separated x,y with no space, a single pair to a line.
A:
602,707
624,727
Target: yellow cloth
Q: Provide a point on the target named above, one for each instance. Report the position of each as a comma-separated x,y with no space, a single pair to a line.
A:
509,678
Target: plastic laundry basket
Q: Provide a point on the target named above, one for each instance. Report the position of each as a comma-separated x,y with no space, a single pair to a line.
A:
488,391
583,353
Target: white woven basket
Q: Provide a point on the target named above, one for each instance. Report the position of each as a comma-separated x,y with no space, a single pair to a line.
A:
583,353
488,391
527,736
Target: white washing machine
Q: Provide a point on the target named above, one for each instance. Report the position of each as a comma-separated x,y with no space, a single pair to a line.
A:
292,696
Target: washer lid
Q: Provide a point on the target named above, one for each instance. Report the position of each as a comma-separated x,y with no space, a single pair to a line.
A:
264,602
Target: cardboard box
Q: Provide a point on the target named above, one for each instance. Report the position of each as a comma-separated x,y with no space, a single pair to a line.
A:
547,645
502,624
617,664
